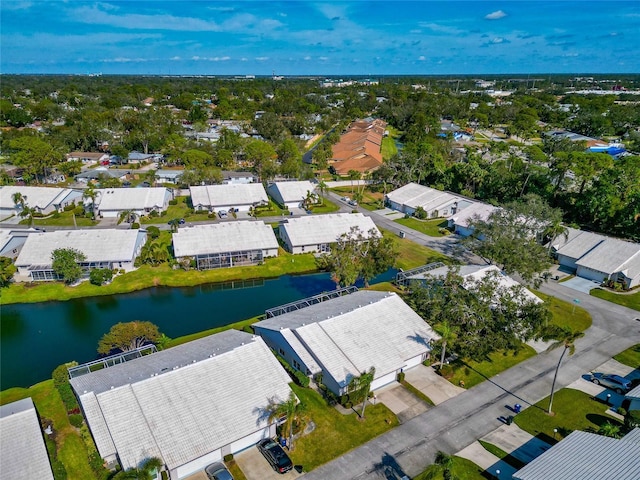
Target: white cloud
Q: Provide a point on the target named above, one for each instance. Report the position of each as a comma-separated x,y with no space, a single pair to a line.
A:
176,58
307,58
323,59
244,59
497,40
125,60
262,59
497,15
422,58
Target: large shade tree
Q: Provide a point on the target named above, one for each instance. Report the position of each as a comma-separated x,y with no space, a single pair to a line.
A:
123,337
66,263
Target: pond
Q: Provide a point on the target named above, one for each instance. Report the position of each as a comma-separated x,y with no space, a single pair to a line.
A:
38,337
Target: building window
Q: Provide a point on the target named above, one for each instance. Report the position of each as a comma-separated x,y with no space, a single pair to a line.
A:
281,352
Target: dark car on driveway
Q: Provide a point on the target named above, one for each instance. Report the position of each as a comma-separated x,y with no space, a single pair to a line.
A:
275,455
217,471
614,382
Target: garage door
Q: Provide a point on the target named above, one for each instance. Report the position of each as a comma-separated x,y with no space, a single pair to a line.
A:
249,440
384,380
412,362
199,464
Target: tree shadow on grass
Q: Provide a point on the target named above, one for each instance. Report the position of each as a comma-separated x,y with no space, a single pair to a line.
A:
600,420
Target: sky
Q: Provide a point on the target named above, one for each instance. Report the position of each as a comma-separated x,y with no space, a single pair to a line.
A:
365,37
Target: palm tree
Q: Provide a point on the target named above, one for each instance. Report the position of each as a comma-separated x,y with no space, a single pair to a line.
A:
128,216
292,410
91,193
447,336
28,212
19,200
147,471
555,230
609,430
353,175
568,338
173,223
322,186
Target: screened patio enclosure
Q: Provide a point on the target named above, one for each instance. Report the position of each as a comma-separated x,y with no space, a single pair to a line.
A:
229,259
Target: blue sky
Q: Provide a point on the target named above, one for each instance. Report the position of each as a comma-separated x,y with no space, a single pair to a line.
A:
319,38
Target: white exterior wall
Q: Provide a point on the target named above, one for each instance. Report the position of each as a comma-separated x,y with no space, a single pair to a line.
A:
568,262
395,206
196,465
276,342
591,274
384,380
251,440
270,252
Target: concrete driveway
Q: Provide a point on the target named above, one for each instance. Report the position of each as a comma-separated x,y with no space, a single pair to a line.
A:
255,466
401,401
581,284
431,384
520,444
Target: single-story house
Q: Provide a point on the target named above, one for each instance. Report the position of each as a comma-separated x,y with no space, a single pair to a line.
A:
291,194
583,455
43,199
103,248
435,203
343,337
168,176
470,273
460,220
22,448
111,202
88,158
225,244
189,405
238,196
238,177
102,172
318,232
599,258
632,399
137,157
12,240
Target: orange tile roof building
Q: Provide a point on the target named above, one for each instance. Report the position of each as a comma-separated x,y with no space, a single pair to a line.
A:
359,148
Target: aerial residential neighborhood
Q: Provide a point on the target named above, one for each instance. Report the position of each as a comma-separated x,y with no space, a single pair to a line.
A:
330,241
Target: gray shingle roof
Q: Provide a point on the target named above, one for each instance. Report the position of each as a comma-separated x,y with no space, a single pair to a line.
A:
100,245
285,192
581,244
183,402
37,197
223,237
22,449
415,195
613,255
584,455
119,199
319,229
350,334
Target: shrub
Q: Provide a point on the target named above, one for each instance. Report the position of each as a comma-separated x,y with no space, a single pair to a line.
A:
99,276
69,207
153,232
135,226
211,215
299,377
163,213
153,214
79,210
228,457
76,420
173,202
88,215
401,377
420,213
68,398
632,419
38,214
59,471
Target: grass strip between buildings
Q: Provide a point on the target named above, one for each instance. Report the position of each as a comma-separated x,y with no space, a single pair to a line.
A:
631,356
460,468
417,393
502,455
433,227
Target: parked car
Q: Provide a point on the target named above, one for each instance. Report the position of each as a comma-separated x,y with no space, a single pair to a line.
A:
353,203
181,221
614,382
222,214
275,455
217,471
345,199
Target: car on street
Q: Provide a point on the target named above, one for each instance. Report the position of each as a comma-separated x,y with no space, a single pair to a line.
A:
222,214
275,455
614,382
345,199
353,203
181,221
217,471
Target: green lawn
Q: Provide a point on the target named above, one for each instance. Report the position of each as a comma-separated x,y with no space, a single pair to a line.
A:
370,200
181,210
472,373
389,148
629,300
428,227
567,314
461,468
242,325
61,219
631,356
71,448
336,434
574,410
327,207
163,275
411,254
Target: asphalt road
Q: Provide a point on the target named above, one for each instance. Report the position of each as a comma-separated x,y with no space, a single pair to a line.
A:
456,423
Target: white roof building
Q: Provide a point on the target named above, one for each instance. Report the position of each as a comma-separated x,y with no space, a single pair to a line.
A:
291,194
226,244
12,240
583,455
103,248
461,218
316,233
22,448
111,202
345,336
598,257
188,405
43,199
435,203
239,196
